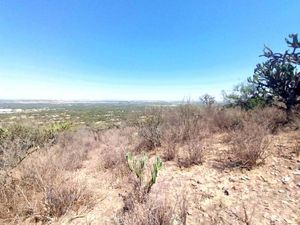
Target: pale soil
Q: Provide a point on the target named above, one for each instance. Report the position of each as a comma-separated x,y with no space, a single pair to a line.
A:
269,194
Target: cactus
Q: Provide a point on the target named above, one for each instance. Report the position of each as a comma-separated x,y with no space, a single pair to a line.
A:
129,159
157,165
137,166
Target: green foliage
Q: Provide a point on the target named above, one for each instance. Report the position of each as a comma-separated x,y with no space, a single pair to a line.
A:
137,166
3,133
278,76
51,130
246,97
17,140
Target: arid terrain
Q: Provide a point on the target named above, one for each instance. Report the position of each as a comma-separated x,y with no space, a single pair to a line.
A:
219,166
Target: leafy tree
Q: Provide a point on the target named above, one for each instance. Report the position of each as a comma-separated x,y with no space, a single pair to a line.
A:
245,95
278,77
207,100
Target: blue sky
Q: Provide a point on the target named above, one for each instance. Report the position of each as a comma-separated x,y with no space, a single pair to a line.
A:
135,50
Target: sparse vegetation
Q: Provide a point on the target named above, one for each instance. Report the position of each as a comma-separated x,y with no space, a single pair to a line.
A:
55,172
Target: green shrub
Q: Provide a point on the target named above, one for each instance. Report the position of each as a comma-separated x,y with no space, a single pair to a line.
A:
17,141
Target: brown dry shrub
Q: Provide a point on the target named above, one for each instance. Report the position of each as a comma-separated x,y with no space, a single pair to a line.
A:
61,198
248,146
113,148
149,213
189,118
192,153
154,211
170,152
42,187
149,127
9,207
169,144
271,118
294,120
223,120
296,149
73,148
40,199
184,123
112,157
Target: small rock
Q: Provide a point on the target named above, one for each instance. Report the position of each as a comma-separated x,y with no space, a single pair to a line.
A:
245,178
288,221
232,179
298,184
285,180
290,168
297,173
226,192
281,191
194,185
274,218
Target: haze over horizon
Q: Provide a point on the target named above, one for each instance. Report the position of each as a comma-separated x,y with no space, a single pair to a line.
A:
136,50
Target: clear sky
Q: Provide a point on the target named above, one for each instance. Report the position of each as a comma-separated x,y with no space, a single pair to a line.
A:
135,49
